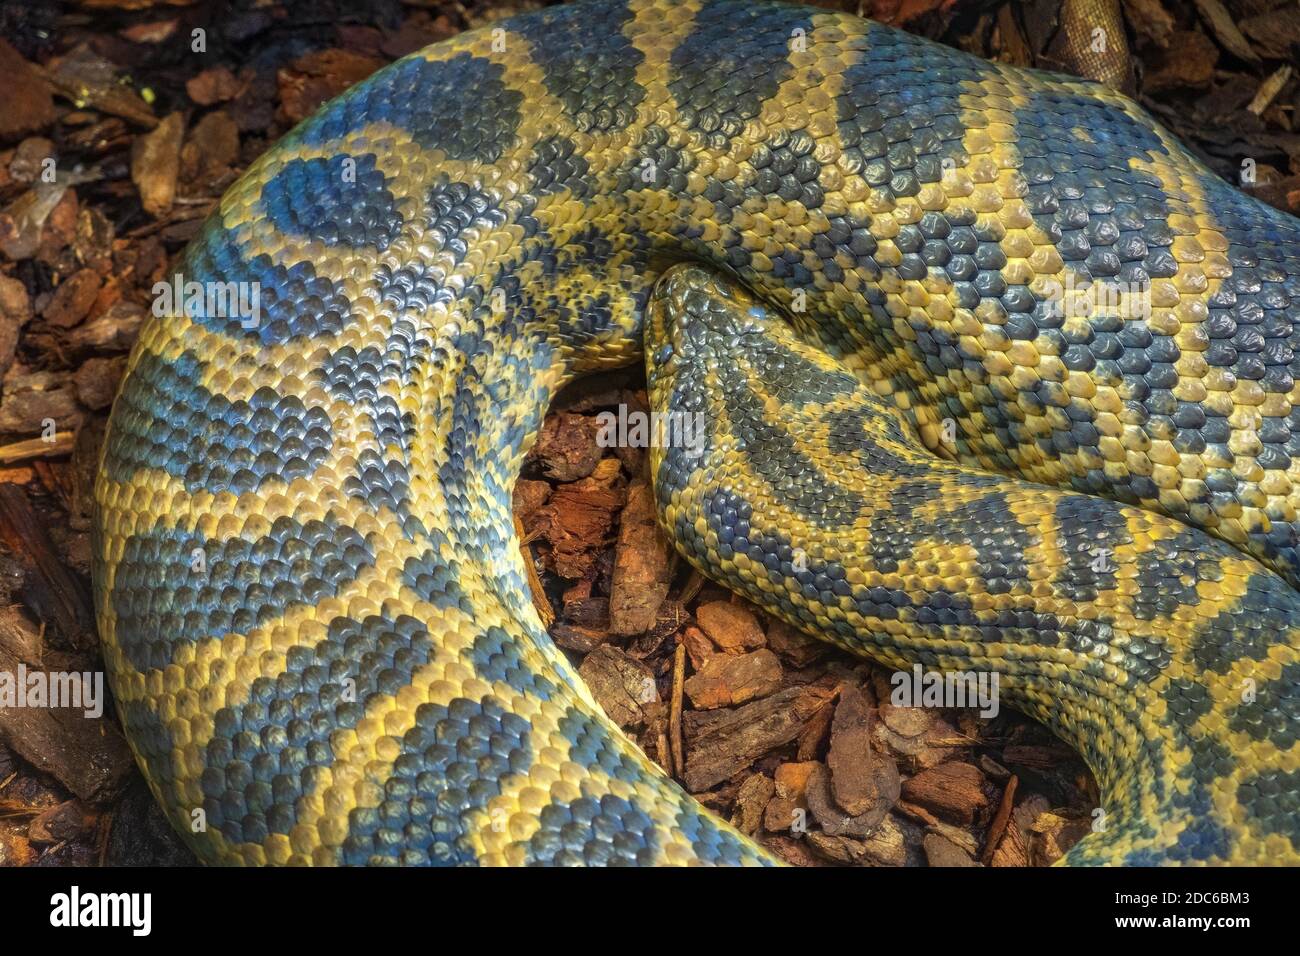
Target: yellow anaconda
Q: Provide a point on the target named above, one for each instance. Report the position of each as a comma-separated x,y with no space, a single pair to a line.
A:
939,311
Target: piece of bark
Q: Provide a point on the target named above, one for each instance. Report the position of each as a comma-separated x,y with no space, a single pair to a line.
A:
15,312
1057,834
834,820
590,612
1188,63
941,852
1217,17
582,640
726,681
733,628
1041,757
92,81
19,637
953,791
1149,19
793,645
1011,850
28,102
699,647
721,743
577,520
30,159
566,448
72,299
837,849
55,595
319,76
66,821
32,400
1274,33
114,331
849,760
791,784
815,734
97,380
886,845
211,149
622,686
794,851
216,85
528,497
155,164
642,562
751,801
87,755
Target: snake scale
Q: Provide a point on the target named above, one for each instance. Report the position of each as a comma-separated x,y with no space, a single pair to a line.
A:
848,250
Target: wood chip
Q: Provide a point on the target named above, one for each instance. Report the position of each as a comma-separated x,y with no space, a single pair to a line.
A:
723,742
212,86
850,760
566,448
88,756
32,400
1187,63
578,518
793,645
28,103
97,380
733,628
751,801
697,646
53,593
15,312
30,448
72,299
1149,19
319,76
791,783
953,790
1276,32
1269,89
940,851
623,687
155,164
62,822
727,681
642,565
1217,17
834,820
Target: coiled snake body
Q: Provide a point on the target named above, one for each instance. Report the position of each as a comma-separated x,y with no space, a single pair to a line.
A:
314,609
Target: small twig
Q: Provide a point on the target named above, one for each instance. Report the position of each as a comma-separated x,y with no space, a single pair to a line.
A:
535,586
998,828
692,586
675,712
28,448
1269,90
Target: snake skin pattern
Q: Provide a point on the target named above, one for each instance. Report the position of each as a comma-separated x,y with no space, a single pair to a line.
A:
312,602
